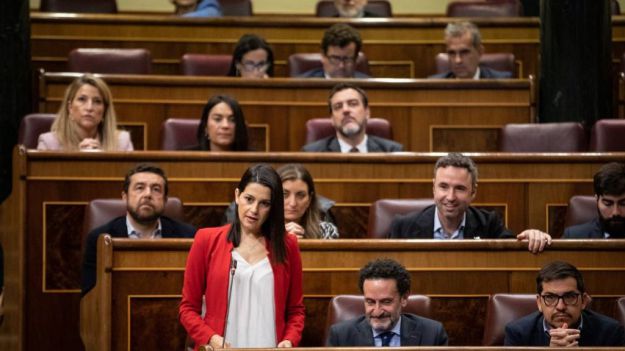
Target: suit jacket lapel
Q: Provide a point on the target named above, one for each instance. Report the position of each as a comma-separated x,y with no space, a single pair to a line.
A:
372,145
410,332
425,225
119,228
365,335
333,144
471,225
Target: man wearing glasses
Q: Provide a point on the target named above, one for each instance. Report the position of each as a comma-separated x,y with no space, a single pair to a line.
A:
562,319
339,50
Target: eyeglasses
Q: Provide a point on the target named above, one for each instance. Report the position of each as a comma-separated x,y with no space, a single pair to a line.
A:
553,299
249,66
346,60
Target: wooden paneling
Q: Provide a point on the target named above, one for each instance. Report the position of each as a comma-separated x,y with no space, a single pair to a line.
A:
395,47
419,110
147,278
54,186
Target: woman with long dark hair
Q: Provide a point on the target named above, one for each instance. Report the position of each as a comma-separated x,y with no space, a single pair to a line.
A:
263,307
252,58
222,126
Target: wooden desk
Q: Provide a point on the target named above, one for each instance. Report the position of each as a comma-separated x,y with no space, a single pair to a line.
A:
135,301
426,115
44,213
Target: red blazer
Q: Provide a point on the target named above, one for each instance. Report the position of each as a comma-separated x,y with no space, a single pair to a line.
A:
207,274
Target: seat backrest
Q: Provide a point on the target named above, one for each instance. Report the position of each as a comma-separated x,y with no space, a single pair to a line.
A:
179,133
236,7
381,8
32,126
607,135
383,211
346,307
543,137
78,6
101,211
503,309
205,65
319,128
500,61
620,310
122,61
615,8
303,62
581,209
492,8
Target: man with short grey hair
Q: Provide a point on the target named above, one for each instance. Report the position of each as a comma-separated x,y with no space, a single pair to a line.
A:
464,50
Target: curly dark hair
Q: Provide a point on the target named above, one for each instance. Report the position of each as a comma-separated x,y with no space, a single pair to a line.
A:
341,35
610,180
386,268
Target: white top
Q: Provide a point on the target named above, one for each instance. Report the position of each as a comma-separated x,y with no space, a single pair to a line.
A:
345,147
251,320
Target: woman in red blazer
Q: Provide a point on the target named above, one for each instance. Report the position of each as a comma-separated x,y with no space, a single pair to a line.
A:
255,238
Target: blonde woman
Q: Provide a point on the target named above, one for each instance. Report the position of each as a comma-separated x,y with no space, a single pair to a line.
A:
86,120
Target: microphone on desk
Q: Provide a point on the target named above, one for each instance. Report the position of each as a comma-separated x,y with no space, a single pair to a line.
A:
233,268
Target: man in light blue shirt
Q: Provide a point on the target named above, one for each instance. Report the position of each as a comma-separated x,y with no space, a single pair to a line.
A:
385,285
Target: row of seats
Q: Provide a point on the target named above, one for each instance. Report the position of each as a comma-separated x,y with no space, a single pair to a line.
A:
324,8
501,310
606,134
139,61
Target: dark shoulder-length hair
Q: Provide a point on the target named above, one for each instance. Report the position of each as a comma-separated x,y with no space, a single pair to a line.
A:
250,42
240,127
273,228
312,216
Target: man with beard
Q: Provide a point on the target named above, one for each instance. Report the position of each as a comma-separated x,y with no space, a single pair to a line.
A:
451,217
349,109
340,46
562,319
145,192
352,9
385,285
609,184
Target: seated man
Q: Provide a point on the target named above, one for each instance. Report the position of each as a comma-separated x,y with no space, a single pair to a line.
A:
562,319
339,50
464,48
385,285
452,217
609,184
352,8
145,193
197,8
349,107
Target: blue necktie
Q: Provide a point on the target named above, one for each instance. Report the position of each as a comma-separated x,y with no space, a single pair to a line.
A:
386,338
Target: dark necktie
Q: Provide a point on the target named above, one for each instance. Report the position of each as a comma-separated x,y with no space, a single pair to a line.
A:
386,338
354,149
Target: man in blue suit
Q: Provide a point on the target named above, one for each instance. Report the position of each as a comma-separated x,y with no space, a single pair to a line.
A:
562,319
197,8
385,285
464,49
609,184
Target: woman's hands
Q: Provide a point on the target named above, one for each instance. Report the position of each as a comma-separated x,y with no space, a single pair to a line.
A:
296,229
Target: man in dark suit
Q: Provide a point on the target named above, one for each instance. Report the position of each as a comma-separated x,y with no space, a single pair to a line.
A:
464,49
145,192
352,9
340,46
609,186
385,285
349,109
452,217
562,319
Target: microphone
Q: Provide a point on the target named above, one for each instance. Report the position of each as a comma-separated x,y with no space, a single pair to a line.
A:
233,268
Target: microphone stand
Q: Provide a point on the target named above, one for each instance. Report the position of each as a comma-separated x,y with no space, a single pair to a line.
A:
233,268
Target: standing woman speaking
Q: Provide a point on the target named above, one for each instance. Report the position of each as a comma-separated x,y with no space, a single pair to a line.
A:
264,306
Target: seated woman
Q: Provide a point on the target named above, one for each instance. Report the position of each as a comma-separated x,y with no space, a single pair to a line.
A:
222,126
263,306
252,58
197,8
86,120
302,212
